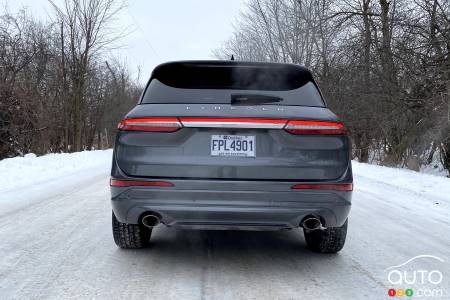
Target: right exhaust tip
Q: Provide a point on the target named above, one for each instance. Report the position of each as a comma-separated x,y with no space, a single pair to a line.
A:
312,223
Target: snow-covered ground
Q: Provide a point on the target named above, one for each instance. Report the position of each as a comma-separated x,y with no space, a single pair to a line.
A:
29,170
56,241
429,190
435,167
29,179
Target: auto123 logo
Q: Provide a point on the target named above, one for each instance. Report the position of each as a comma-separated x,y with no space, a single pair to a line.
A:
419,276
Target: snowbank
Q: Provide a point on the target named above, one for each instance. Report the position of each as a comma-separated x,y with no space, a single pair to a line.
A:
28,178
420,183
24,172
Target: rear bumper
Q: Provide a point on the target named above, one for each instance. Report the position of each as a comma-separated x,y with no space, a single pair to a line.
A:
210,204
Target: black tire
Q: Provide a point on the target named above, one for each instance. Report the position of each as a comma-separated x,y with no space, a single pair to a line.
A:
330,240
130,236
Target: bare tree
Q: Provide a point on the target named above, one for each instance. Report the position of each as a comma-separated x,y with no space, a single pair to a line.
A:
44,73
85,32
383,65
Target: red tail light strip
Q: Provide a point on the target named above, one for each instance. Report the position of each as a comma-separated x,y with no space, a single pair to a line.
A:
314,127
150,124
346,187
171,124
125,183
233,123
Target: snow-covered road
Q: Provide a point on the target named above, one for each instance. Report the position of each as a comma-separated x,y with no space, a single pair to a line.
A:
56,243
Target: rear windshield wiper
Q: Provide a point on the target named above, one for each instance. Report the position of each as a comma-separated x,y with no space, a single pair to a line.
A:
251,99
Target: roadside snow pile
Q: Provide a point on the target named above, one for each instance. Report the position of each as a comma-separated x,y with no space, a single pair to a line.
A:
31,176
424,184
24,172
434,169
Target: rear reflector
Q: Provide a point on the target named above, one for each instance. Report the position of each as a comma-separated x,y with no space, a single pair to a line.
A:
150,124
315,127
233,123
346,187
124,183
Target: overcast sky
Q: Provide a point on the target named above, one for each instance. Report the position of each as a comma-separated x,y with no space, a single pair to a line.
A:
163,30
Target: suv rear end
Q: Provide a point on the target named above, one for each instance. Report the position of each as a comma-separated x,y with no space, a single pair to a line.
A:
231,145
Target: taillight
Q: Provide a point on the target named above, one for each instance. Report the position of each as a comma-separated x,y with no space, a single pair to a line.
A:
346,187
125,183
172,124
315,127
150,124
233,123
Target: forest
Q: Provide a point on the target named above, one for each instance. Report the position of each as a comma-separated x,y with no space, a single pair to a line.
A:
383,66
60,91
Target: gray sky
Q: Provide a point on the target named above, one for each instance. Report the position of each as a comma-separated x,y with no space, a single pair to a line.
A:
163,30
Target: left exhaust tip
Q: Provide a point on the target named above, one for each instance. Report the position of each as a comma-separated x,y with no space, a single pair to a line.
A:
150,220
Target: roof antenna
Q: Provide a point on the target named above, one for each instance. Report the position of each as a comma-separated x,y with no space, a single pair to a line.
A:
232,57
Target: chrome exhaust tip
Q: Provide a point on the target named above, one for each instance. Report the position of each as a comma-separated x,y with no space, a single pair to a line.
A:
150,220
312,223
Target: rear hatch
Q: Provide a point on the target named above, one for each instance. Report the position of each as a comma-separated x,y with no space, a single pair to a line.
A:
232,121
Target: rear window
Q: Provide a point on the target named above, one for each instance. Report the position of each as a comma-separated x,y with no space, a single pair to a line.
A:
217,84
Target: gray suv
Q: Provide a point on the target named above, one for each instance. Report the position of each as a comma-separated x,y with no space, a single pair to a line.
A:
231,145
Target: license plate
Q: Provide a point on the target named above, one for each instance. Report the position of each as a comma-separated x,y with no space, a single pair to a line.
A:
233,145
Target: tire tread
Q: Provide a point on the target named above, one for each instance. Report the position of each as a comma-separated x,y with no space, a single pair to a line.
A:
329,240
130,236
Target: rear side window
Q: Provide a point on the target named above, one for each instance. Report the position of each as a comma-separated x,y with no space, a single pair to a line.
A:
190,83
